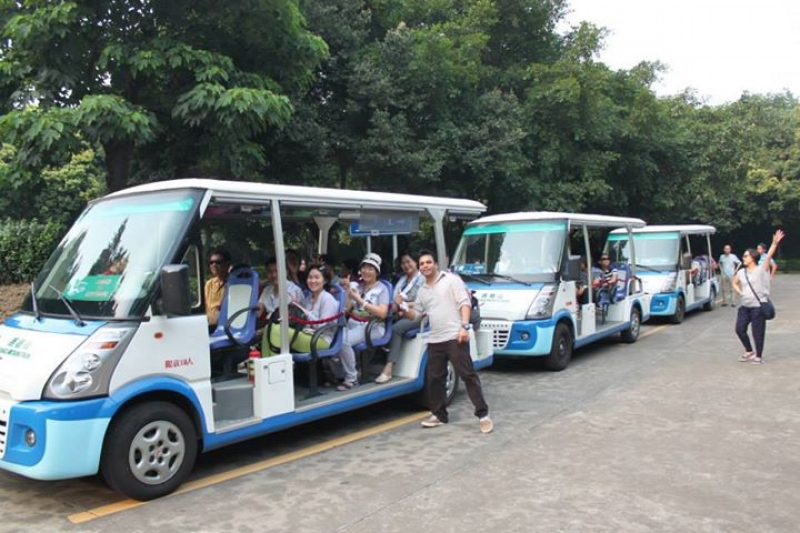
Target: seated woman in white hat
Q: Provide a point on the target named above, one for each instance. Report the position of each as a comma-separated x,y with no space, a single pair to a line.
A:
369,298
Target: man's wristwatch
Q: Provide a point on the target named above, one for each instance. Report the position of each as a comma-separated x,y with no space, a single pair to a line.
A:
466,326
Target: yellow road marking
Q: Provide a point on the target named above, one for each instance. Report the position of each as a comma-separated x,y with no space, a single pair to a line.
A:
124,505
654,330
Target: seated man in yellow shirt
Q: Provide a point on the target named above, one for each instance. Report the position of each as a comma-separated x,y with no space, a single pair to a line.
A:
219,264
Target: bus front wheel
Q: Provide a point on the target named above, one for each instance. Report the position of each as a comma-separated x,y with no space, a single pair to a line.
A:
680,311
561,351
149,450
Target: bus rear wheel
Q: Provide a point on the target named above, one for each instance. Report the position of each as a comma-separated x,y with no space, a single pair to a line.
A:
632,333
712,302
451,388
149,450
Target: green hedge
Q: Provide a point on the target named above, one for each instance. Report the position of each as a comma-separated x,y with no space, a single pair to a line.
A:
24,247
788,265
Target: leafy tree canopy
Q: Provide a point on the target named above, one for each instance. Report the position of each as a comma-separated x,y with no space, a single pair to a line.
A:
133,75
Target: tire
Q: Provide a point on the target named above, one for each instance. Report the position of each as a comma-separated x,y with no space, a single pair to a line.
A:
149,450
451,387
712,302
631,334
680,311
561,351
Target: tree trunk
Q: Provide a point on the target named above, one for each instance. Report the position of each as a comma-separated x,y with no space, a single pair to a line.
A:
118,163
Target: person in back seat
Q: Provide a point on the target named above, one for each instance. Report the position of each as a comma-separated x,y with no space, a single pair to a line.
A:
268,301
405,294
318,306
368,299
606,279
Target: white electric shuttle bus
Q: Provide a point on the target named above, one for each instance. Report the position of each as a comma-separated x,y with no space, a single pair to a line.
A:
113,370
531,274
675,264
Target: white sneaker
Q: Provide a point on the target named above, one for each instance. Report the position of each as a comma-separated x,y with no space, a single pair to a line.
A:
432,422
486,424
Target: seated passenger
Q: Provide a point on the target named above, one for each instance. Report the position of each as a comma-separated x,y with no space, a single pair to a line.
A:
405,294
269,299
295,268
607,278
582,285
219,263
317,306
326,262
367,299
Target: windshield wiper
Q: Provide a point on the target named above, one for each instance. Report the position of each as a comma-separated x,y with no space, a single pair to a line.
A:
35,303
511,278
473,277
78,320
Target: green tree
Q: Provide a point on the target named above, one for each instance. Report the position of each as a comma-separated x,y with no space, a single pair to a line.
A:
152,81
56,193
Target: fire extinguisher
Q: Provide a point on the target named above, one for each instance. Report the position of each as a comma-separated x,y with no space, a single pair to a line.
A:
251,364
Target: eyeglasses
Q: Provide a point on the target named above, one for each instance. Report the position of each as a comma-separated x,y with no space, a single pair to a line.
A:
212,262
605,259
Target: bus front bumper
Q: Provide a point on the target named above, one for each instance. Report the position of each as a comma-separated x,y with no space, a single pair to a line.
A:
53,440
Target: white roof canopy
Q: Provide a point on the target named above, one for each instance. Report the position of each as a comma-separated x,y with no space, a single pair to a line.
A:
242,191
683,229
599,221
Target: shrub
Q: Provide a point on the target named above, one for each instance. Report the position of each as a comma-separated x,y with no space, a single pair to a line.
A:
24,247
788,265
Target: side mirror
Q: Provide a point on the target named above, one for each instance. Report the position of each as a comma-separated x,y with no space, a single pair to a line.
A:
175,297
686,261
571,271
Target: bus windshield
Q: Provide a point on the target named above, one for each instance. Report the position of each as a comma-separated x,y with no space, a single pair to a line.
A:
521,250
653,250
107,265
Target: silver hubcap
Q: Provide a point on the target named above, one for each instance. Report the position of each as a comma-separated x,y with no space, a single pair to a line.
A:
156,452
635,323
451,379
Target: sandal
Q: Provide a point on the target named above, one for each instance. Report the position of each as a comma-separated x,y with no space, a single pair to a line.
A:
346,385
746,357
756,361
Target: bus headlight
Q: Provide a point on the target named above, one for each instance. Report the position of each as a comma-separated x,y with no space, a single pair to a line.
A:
87,371
542,306
671,283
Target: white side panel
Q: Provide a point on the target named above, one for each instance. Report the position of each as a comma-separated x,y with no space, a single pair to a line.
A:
411,354
274,385
690,297
619,311
588,319
176,346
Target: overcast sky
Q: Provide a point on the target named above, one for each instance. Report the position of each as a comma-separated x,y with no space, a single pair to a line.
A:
721,48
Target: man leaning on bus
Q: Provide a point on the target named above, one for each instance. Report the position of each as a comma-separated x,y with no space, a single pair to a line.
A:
445,300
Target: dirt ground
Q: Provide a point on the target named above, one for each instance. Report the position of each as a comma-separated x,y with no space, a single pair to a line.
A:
11,297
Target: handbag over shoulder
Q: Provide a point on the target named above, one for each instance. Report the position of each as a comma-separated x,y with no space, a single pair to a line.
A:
767,307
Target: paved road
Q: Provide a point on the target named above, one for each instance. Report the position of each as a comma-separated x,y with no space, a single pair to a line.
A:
668,434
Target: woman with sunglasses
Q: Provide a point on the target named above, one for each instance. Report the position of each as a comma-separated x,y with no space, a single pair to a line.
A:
752,284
